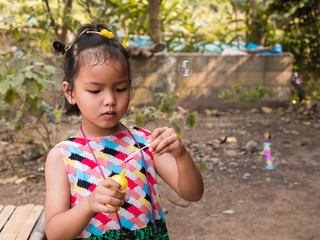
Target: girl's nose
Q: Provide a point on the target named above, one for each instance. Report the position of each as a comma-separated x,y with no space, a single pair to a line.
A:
109,99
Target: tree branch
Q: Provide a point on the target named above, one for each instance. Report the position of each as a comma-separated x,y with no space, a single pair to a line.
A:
53,23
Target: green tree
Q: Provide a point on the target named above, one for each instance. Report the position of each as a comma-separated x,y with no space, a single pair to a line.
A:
300,22
26,72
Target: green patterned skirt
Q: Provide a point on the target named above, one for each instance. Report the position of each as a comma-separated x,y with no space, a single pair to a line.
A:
144,233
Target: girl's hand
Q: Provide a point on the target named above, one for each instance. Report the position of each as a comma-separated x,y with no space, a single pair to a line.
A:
166,140
103,196
174,164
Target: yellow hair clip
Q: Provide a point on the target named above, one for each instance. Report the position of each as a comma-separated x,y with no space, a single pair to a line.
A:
66,49
103,32
106,33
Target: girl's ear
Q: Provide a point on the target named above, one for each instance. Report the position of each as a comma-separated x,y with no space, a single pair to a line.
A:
68,93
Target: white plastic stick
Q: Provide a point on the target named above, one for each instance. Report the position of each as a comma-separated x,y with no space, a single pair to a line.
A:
134,153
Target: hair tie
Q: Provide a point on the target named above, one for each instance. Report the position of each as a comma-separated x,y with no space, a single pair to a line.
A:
103,32
60,47
66,49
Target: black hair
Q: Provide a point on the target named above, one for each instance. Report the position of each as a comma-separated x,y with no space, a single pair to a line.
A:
100,47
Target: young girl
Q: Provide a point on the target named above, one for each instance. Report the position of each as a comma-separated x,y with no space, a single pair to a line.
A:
82,201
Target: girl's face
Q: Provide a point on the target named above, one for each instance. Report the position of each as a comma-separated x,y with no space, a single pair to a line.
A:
102,93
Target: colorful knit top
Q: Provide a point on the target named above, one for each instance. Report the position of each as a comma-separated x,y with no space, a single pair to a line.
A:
84,175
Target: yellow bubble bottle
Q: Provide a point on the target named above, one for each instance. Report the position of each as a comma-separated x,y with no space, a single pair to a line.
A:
120,178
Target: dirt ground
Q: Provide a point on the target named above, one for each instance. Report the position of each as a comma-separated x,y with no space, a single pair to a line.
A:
242,200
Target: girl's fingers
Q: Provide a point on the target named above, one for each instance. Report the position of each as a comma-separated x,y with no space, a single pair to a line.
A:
111,183
107,209
165,145
114,202
162,138
105,198
157,132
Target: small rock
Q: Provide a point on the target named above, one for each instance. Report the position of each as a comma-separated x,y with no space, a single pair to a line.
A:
246,176
233,164
251,146
213,144
232,139
210,125
215,161
266,109
234,146
254,110
294,132
304,159
287,120
316,125
230,211
234,153
3,143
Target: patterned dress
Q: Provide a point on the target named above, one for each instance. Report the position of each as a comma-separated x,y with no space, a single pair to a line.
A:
84,175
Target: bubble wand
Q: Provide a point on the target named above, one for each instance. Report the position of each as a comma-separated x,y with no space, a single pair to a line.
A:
134,153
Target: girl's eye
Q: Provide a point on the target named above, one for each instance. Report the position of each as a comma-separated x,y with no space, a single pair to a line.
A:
94,91
121,89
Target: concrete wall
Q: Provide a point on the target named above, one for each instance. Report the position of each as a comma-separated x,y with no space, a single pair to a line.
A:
211,73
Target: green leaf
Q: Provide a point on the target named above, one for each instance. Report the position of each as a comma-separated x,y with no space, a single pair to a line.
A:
31,88
4,85
28,74
202,167
50,69
41,80
17,80
19,114
10,69
192,120
176,127
9,96
15,33
33,105
57,113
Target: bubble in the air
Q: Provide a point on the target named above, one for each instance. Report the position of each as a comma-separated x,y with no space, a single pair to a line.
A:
185,68
267,157
296,78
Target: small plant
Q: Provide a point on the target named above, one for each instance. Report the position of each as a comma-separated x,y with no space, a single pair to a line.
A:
312,89
306,103
236,93
24,90
202,167
166,109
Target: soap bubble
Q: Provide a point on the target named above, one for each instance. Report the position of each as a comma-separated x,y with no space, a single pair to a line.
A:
296,78
185,68
267,157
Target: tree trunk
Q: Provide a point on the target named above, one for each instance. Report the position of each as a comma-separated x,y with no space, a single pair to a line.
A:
155,25
66,13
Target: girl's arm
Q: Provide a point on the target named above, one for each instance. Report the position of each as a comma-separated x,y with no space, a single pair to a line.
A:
63,222
175,165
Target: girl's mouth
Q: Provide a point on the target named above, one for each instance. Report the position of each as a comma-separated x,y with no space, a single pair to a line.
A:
108,115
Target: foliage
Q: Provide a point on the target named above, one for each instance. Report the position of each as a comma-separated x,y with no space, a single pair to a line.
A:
166,109
236,93
312,89
202,167
300,22
31,26
131,16
179,26
294,24
25,81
